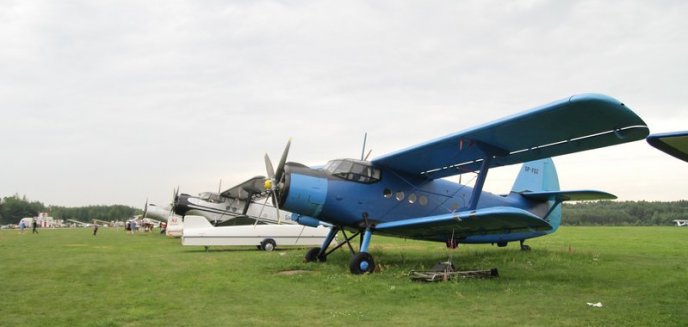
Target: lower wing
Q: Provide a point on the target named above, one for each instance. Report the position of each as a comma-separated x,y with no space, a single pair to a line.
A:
494,220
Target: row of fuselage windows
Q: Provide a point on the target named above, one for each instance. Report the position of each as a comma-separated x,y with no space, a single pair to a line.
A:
400,196
362,172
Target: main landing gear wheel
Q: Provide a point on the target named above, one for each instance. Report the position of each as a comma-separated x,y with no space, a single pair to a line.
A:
268,245
362,263
524,247
312,256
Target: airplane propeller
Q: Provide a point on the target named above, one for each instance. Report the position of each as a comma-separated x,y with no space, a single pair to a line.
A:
274,180
145,209
175,198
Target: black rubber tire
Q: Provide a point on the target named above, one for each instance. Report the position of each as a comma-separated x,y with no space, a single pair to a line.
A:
312,256
362,263
525,247
268,245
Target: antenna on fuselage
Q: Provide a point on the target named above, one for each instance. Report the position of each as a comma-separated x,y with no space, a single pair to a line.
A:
365,156
365,138
219,191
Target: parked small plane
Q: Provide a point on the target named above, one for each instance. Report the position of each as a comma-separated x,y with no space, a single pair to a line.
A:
78,223
173,224
681,222
242,204
674,143
404,193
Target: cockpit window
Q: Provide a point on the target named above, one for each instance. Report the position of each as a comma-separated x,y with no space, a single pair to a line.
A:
210,197
353,170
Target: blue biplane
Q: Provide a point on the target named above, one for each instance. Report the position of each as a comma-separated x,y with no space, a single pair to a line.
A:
404,194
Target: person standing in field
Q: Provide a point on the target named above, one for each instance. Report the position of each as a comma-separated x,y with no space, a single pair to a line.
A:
21,227
95,229
34,225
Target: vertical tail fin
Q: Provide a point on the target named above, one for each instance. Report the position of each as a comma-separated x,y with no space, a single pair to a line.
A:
537,176
540,176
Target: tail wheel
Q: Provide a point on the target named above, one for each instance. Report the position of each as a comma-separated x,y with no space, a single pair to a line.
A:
268,245
362,263
312,256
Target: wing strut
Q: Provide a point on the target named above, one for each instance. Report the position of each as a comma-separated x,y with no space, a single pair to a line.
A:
480,182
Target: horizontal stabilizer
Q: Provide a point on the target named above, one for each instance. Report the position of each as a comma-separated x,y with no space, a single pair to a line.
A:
560,196
465,223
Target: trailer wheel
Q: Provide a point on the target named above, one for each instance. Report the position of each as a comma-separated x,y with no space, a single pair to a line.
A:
268,245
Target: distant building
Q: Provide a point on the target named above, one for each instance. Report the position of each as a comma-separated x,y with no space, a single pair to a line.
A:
43,220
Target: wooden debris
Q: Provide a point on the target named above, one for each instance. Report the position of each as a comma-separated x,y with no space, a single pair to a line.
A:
444,271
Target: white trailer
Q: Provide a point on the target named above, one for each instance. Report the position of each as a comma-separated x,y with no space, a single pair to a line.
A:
199,232
175,226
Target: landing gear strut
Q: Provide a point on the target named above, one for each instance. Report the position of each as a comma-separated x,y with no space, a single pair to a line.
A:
524,247
361,262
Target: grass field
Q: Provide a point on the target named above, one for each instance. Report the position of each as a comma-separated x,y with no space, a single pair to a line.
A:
68,277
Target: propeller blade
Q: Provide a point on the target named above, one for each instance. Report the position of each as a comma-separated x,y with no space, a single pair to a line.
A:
145,209
280,167
175,198
268,167
275,177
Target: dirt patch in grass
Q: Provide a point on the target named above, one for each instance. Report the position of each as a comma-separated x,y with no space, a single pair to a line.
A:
293,272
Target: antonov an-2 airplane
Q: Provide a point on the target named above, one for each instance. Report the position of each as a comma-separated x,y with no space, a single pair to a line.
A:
242,204
404,194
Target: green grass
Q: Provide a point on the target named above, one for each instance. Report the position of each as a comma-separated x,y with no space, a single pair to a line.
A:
68,277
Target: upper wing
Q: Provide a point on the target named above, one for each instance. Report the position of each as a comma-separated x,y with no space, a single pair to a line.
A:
246,189
675,143
466,223
578,123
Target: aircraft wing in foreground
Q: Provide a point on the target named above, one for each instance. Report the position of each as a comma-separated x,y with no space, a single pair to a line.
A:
674,143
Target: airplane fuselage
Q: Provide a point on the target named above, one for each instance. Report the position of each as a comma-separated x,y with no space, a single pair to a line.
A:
221,209
383,195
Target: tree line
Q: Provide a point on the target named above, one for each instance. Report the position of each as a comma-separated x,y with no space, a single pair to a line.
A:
638,213
13,208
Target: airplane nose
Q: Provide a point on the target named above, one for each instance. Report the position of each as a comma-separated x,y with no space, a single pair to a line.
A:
181,204
305,194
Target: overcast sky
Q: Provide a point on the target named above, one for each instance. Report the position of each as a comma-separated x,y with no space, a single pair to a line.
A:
113,102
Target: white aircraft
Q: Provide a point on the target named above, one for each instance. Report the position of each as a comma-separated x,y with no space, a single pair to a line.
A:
244,204
173,223
199,232
78,223
681,222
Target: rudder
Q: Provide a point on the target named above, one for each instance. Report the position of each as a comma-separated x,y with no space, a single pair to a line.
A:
539,176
